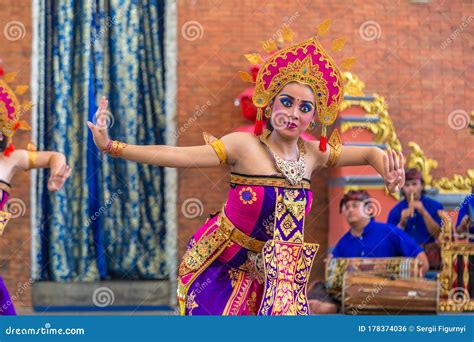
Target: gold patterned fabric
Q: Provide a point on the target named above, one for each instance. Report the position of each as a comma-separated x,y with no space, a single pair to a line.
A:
335,142
225,270
236,178
4,218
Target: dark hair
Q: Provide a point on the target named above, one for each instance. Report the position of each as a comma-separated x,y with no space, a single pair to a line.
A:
269,125
354,195
3,144
414,174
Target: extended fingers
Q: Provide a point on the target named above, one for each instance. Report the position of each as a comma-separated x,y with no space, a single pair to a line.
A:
385,164
396,161
91,126
104,103
390,159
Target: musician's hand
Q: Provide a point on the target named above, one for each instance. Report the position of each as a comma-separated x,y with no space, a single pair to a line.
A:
418,206
405,215
463,225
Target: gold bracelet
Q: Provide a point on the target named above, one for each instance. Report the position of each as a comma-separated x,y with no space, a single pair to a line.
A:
114,148
219,148
335,142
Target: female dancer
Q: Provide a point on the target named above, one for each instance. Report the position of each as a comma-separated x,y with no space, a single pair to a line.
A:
22,160
12,161
251,257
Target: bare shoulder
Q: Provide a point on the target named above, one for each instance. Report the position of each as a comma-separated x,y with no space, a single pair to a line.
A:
19,155
318,158
19,159
238,136
239,139
238,143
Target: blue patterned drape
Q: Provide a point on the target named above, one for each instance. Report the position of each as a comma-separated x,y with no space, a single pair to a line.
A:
108,222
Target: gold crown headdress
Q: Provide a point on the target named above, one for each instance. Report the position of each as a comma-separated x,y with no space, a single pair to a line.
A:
307,63
11,110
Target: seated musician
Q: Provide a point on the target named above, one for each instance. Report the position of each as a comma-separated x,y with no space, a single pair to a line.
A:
368,238
417,214
465,222
365,238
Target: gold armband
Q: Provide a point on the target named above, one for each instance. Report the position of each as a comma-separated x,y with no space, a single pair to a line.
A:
335,142
32,159
217,145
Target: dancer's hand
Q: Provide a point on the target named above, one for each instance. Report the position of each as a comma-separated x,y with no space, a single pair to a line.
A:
59,175
99,130
394,170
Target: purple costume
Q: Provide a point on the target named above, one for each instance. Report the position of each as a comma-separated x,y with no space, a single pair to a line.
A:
6,304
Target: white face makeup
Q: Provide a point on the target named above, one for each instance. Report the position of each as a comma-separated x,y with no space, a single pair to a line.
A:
293,109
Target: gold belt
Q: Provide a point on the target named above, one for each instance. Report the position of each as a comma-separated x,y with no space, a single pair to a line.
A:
236,235
4,218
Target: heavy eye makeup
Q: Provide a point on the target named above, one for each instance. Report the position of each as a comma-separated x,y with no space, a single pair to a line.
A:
287,101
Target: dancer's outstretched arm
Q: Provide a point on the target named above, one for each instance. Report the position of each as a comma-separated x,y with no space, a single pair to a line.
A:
389,164
165,155
27,160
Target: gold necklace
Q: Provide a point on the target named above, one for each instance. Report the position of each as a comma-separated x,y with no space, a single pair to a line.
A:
293,170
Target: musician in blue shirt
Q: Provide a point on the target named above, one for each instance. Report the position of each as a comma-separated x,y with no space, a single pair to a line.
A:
417,214
371,239
465,222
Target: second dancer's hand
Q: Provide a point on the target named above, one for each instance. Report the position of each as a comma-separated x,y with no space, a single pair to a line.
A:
99,130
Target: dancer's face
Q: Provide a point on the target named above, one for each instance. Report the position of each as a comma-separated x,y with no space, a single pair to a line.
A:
413,186
293,109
